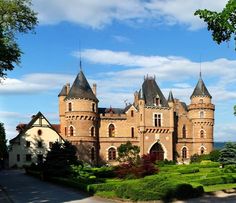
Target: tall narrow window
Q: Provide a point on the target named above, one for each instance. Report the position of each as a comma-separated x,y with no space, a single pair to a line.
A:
184,153
202,150
65,131
202,133
201,114
18,157
71,131
93,107
141,117
92,154
157,101
112,154
111,130
27,143
92,131
70,107
184,131
132,132
132,113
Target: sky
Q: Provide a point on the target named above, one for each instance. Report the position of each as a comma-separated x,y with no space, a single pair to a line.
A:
119,42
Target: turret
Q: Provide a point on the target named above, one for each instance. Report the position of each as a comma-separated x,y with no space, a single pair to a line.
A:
170,99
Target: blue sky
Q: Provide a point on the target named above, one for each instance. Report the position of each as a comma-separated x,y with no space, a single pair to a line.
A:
120,41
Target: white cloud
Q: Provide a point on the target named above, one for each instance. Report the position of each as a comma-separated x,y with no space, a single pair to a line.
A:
97,13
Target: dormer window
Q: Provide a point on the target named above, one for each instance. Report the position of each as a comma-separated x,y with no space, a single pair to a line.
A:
157,101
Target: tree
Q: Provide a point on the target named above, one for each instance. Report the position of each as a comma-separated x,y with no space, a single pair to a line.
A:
228,154
16,16
3,145
59,159
128,153
222,24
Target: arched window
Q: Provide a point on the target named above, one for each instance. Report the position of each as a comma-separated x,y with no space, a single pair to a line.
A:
71,131
184,131
70,106
92,131
184,153
112,154
92,154
132,132
111,130
202,133
201,114
202,150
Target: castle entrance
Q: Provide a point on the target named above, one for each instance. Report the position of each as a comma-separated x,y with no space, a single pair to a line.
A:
157,151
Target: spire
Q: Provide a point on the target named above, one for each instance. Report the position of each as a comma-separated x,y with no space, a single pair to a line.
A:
63,91
200,89
170,98
81,89
141,96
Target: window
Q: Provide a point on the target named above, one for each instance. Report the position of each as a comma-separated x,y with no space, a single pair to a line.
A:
184,131
65,131
27,143
28,157
71,131
132,132
132,113
157,120
202,150
93,107
40,158
92,154
200,101
112,154
18,157
157,101
141,117
201,114
184,153
202,133
50,144
111,130
40,132
40,144
70,106
92,131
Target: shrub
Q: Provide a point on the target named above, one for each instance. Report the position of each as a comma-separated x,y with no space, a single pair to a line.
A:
186,191
188,170
209,164
217,180
230,169
196,158
165,162
215,155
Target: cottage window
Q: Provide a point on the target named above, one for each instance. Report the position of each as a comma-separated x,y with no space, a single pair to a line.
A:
112,154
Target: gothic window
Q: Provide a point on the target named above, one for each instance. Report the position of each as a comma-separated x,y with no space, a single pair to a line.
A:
70,106
184,131
184,153
157,120
71,131
202,150
201,114
92,131
92,154
112,154
132,113
111,130
202,132
132,132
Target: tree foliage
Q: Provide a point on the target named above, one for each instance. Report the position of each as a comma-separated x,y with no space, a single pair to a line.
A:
128,153
3,141
222,24
228,154
59,159
16,16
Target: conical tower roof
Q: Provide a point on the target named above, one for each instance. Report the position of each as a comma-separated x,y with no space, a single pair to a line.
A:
63,91
200,89
151,91
171,97
81,89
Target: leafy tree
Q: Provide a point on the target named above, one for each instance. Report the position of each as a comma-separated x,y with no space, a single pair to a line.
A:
16,16
128,153
59,159
215,155
222,24
228,154
3,146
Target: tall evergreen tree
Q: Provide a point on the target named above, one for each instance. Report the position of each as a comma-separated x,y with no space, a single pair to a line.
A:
228,154
3,145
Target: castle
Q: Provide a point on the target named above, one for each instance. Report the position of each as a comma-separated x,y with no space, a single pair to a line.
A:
166,127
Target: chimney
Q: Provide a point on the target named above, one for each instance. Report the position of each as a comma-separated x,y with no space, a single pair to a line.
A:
67,88
94,89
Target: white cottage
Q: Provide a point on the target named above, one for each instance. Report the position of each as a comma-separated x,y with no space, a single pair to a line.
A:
33,141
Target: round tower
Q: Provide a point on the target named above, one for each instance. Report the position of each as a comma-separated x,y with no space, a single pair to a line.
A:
201,113
81,115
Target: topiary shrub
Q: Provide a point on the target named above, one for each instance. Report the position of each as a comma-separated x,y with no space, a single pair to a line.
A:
186,191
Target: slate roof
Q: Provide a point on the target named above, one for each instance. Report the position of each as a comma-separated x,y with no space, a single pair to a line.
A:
81,89
200,89
171,97
111,110
150,91
63,91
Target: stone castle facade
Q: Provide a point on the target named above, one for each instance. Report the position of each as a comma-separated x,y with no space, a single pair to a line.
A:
167,127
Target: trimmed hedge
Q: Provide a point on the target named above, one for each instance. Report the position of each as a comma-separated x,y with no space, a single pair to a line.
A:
218,180
188,170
